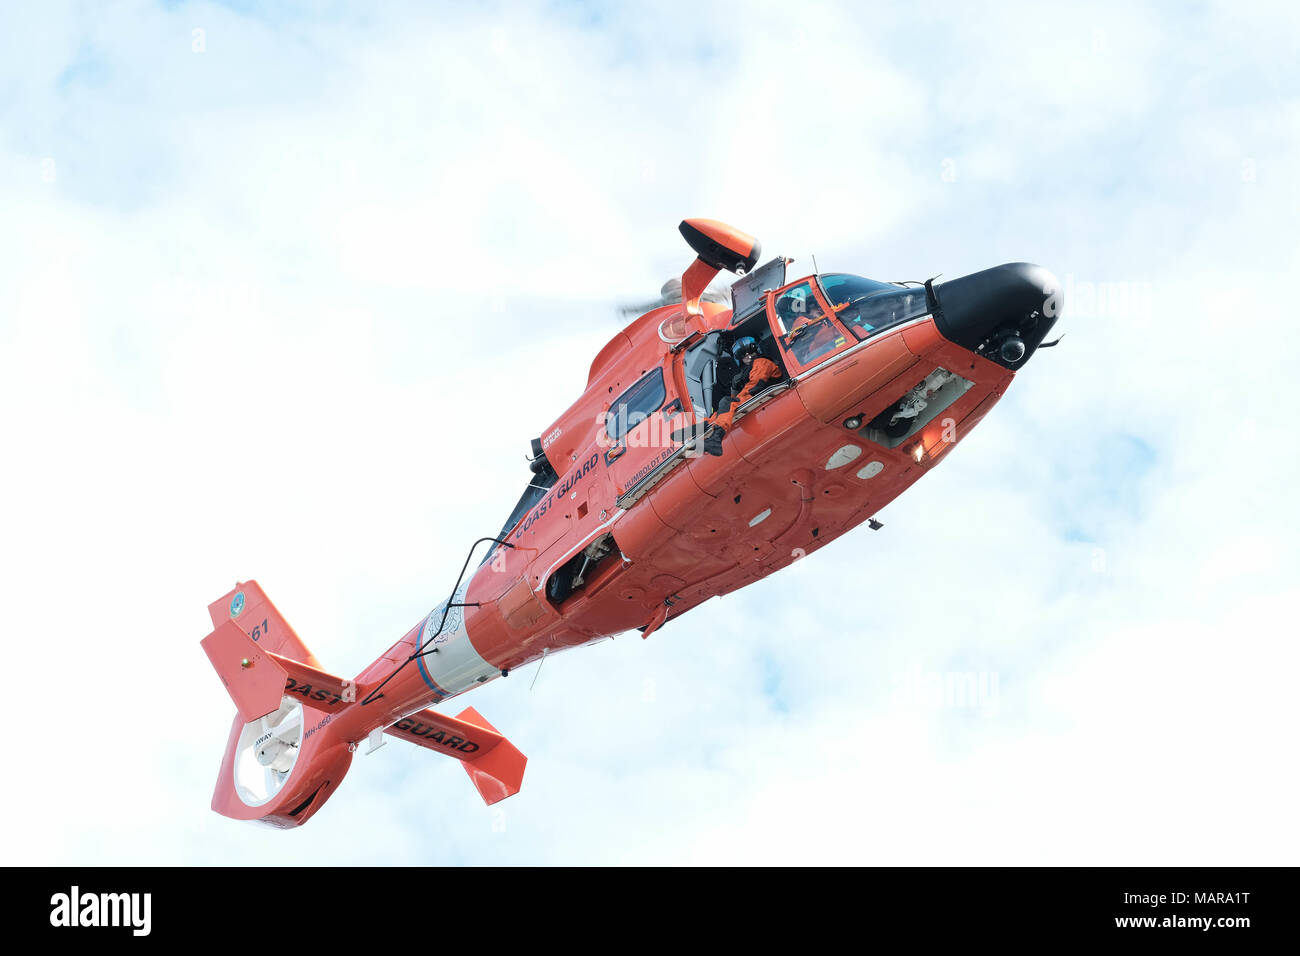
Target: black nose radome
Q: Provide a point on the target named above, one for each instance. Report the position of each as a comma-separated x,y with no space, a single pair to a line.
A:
1003,313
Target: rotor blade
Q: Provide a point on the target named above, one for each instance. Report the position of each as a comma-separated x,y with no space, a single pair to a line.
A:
719,297
287,729
291,719
640,308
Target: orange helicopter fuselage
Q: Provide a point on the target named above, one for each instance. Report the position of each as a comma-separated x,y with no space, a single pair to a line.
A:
632,516
682,527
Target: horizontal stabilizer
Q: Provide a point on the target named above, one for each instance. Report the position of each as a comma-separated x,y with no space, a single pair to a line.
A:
253,677
494,764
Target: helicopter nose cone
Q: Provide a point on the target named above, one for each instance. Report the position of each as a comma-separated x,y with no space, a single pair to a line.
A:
1003,313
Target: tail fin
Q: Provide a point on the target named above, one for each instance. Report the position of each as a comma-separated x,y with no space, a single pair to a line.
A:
277,769
252,610
274,768
253,678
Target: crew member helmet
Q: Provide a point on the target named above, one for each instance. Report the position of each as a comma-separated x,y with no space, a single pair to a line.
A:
742,346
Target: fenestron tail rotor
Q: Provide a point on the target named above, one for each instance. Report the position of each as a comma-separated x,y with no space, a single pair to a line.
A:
297,726
267,751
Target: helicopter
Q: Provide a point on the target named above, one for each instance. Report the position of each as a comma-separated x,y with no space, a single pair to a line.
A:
640,505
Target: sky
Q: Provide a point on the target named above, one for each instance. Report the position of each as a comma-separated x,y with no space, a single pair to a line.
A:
286,290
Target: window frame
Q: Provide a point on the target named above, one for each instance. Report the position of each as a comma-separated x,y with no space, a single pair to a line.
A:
856,330
611,415
828,315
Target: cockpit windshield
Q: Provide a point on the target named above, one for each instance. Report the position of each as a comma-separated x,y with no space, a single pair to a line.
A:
866,306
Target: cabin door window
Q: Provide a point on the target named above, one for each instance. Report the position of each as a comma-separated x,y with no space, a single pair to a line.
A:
804,327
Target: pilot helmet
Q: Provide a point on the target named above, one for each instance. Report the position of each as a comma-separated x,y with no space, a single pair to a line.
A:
795,305
742,345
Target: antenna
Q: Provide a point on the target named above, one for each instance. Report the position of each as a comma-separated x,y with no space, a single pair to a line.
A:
815,269
539,668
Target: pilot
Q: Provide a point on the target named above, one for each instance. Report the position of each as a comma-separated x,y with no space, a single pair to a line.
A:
756,372
807,337
808,342
798,307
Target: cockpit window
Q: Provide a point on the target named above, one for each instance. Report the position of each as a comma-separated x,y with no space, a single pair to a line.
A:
866,306
797,306
840,287
813,340
636,405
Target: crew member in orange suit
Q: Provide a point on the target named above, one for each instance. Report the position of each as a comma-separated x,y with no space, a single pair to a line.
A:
810,341
755,374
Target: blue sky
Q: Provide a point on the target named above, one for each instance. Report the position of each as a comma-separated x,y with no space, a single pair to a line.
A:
267,291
